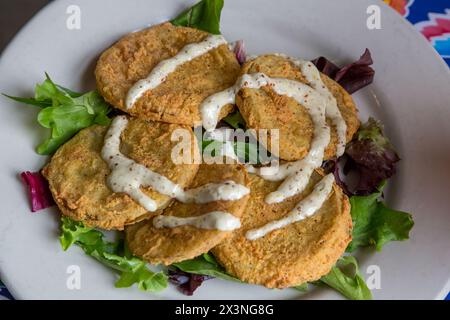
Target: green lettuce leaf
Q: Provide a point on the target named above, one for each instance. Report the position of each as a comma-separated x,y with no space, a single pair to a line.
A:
206,265
376,224
349,284
302,287
146,280
71,93
235,120
204,15
112,254
65,112
248,152
72,231
30,101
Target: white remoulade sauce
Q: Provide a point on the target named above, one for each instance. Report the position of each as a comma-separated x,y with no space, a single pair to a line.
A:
312,75
128,176
215,220
159,73
304,209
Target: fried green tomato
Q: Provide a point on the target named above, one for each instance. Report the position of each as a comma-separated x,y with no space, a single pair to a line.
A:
77,174
170,245
300,252
178,98
264,109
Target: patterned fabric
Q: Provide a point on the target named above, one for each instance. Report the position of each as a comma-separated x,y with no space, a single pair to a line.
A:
4,293
430,17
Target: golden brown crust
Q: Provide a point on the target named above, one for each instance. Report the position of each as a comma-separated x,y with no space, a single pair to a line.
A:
77,173
170,245
264,109
177,99
298,253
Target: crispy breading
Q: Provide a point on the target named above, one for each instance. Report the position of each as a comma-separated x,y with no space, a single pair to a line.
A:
178,98
170,245
300,252
264,109
77,173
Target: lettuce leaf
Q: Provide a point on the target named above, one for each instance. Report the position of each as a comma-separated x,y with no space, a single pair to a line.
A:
239,51
369,159
65,112
146,280
112,254
40,195
30,101
235,120
349,284
186,283
371,156
204,264
302,287
351,77
247,152
204,15
188,275
376,224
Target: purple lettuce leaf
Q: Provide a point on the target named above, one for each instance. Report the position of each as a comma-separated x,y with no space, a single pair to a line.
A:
186,282
351,77
40,196
239,51
334,166
369,158
326,66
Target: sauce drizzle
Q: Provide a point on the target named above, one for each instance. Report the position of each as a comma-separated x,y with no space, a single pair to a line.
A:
304,209
165,67
129,176
215,220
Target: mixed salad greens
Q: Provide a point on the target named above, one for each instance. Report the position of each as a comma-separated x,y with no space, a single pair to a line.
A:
370,155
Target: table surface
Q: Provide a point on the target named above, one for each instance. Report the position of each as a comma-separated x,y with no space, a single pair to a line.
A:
431,18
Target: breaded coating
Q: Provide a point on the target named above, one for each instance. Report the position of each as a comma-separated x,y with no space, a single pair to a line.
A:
300,252
178,98
264,109
77,173
170,245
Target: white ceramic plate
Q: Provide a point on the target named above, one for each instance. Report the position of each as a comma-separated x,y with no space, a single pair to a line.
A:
411,96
